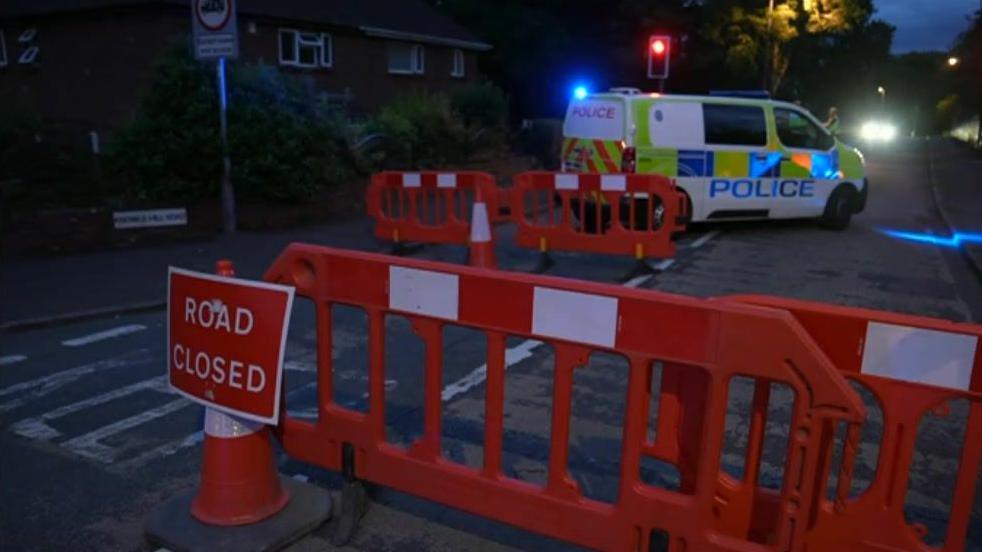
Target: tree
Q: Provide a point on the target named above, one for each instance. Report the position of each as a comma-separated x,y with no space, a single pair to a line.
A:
968,49
285,146
761,40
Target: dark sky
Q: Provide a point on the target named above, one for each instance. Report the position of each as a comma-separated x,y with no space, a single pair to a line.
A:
926,24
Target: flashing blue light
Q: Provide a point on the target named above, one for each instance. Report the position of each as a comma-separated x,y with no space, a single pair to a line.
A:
580,92
954,241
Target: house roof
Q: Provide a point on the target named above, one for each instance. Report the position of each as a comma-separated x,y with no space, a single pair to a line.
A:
413,20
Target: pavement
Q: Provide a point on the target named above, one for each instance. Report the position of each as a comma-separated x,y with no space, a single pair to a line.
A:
954,171
92,438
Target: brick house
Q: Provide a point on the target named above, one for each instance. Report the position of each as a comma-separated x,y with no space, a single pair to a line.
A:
86,62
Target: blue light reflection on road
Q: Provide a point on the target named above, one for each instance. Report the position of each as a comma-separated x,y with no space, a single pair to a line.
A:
954,241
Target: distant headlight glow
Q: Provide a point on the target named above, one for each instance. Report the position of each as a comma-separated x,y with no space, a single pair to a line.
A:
878,131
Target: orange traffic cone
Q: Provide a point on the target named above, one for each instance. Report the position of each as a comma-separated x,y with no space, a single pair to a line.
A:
239,482
482,242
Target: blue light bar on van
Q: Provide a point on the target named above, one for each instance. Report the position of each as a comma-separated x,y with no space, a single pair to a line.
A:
580,92
752,94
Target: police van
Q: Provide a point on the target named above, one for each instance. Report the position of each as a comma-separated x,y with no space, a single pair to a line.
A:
735,157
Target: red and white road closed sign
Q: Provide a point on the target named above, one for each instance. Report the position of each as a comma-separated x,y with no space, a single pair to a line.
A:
225,340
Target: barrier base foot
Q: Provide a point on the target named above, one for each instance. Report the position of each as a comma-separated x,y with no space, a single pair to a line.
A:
171,525
641,268
545,263
354,503
403,249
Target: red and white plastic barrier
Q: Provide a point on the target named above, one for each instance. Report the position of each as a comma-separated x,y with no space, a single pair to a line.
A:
620,214
429,206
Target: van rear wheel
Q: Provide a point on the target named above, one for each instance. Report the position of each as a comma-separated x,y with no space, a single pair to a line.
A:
838,209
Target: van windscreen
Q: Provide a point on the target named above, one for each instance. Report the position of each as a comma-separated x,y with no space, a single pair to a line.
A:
595,120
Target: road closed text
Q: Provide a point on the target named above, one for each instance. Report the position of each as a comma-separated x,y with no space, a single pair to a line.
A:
215,316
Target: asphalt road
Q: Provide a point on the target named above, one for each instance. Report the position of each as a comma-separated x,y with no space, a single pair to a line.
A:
91,438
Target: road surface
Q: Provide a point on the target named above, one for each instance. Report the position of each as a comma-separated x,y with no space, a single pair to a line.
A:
92,439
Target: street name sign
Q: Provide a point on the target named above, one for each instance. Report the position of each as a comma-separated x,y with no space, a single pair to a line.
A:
215,30
123,220
225,342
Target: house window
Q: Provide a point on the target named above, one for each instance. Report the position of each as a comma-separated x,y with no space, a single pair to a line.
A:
458,63
304,49
406,59
28,56
3,50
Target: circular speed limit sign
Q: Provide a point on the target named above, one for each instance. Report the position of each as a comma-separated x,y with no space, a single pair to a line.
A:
213,14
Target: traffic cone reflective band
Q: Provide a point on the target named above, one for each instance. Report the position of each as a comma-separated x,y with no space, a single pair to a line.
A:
239,482
482,243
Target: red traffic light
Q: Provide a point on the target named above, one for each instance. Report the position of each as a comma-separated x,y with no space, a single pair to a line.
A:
659,54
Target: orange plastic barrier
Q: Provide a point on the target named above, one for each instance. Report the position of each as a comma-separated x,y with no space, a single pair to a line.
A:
621,214
699,344
430,207
913,366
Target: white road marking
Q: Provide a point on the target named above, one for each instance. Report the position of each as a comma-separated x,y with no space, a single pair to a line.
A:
637,281
89,445
162,451
300,365
188,441
663,264
512,356
107,334
524,350
12,359
701,241
36,388
38,428
305,414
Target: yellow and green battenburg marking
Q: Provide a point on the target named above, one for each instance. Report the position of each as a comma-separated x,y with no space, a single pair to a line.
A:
842,162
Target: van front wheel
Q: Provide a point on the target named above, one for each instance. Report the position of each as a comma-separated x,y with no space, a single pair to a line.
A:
838,209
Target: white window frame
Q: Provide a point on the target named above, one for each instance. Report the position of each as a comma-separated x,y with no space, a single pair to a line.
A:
28,56
417,61
321,41
459,68
3,50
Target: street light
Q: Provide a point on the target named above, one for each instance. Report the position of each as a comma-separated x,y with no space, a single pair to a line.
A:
883,94
953,61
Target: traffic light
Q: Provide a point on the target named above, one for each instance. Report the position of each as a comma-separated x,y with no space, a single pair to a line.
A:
659,55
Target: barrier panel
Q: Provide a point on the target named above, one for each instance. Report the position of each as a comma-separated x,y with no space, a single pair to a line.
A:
699,345
914,367
430,207
620,214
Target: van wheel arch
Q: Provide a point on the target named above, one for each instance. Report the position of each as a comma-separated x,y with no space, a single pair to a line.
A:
839,207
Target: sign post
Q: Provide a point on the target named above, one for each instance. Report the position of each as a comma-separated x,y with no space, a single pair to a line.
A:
216,37
225,342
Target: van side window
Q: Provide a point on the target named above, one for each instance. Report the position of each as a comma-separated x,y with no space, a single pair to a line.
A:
735,125
795,130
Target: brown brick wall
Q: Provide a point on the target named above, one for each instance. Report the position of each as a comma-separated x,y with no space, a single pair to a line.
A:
360,63
93,67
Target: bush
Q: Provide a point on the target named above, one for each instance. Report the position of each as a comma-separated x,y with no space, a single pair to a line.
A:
284,146
481,105
421,130
43,165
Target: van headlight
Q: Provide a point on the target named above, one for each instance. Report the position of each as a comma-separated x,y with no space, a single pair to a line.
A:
878,131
